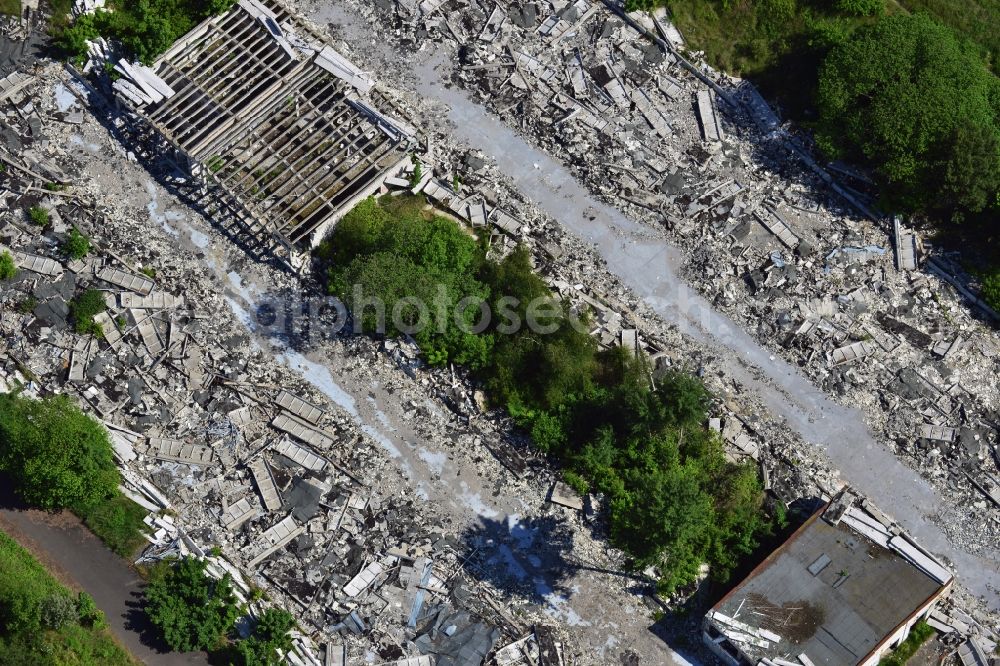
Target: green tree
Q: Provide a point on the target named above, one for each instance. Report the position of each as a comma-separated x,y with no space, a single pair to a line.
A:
7,267
57,456
269,638
899,95
970,167
192,610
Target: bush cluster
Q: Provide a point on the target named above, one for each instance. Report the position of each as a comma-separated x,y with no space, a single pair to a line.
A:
194,611
7,267
146,28
82,310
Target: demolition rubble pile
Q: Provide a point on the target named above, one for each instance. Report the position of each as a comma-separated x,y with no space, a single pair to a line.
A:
783,246
222,444
256,461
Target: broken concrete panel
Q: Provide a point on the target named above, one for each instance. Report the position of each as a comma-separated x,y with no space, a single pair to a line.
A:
180,451
265,484
937,433
302,430
154,301
777,226
299,407
109,330
852,352
300,456
711,128
565,496
137,283
275,537
36,264
237,513
365,579
150,338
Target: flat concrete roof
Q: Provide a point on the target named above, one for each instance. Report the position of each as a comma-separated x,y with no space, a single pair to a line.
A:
828,592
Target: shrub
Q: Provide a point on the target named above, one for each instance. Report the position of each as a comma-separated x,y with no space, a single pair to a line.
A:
88,612
7,268
861,7
269,638
990,290
76,245
39,216
82,310
57,456
58,610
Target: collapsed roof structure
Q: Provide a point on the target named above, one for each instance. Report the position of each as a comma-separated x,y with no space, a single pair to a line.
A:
285,130
844,589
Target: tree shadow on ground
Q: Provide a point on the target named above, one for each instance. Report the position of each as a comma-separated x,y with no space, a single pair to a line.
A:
532,557
138,622
526,557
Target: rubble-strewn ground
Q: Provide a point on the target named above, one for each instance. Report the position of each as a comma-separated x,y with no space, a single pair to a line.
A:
413,467
839,286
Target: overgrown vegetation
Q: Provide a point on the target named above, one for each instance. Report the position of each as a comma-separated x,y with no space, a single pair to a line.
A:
919,635
7,267
57,457
10,7
404,255
82,310
269,638
145,28
192,610
909,99
118,522
39,216
42,623
76,245
641,442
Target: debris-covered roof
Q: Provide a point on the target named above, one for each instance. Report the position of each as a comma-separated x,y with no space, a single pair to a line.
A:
834,591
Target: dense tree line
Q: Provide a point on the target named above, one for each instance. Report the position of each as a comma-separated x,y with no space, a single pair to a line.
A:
639,440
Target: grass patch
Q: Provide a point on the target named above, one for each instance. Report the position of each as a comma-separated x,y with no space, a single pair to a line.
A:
42,623
919,635
7,267
39,216
10,7
118,523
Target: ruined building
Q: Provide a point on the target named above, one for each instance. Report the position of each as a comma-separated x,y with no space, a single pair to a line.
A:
844,589
285,132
